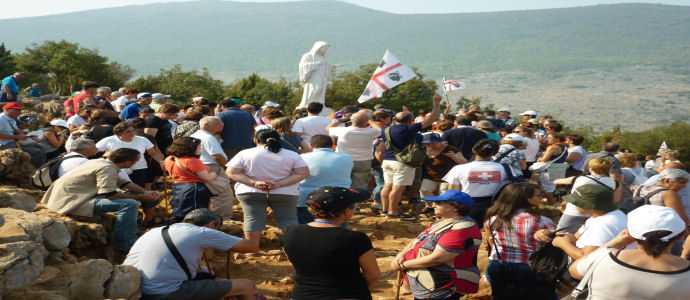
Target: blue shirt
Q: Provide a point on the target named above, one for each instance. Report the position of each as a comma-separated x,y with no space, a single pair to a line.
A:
326,168
402,135
8,126
131,111
238,129
10,82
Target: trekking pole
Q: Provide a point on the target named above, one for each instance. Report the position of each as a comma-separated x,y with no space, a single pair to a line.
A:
398,285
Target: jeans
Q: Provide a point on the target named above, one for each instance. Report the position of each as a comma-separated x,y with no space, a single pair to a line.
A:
361,172
125,228
378,177
303,215
254,207
517,281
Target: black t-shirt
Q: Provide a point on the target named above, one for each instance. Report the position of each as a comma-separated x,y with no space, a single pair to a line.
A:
99,132
464,138
401,136
164,134
326,262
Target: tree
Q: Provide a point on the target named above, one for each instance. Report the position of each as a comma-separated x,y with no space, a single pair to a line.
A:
63,66
348,86
182,85
256,90
7,65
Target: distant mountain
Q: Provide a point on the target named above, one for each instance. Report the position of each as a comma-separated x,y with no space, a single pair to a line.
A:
233,39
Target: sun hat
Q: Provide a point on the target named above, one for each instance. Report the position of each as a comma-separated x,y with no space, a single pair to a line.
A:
592,196
503,109
201,217
452,196
59,122
515,138
431,138
650,218
485,125
529,113
143,95
332,200
270,104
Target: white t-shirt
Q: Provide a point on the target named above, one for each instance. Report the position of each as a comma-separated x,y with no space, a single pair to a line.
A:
614,280
76,121
580,163
355,141
161,274
263,165
597,231
571,209
122,101
531,150
311,126
478,178
76,159
138,143
210,146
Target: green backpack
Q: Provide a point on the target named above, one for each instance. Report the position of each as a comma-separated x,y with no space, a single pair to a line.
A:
412,155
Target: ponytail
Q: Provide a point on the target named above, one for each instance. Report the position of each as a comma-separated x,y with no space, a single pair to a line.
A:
653,244
270,138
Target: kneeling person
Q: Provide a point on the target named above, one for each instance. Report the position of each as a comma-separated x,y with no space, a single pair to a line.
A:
166,277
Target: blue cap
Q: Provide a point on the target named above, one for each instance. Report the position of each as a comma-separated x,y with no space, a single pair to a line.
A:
452,196
431,138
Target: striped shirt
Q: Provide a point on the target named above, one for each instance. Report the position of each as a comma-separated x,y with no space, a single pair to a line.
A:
517,243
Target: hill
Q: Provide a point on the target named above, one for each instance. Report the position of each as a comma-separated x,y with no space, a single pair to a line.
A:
233,39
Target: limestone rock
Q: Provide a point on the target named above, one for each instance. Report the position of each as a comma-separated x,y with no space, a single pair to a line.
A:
124,283
55,236
87,238
20,225
88,279
31,294
15,166
17,200
21,263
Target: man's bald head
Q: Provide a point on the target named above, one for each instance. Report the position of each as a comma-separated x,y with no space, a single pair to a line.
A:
360,119
404,117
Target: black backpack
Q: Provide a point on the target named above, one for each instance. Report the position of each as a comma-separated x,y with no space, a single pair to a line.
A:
47,173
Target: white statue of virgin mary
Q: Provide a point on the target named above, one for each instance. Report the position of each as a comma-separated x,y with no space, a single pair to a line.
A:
313,74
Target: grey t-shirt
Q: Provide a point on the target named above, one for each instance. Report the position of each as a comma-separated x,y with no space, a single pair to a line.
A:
615,280
160,272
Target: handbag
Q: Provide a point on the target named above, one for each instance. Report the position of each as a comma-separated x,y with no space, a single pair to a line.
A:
180,260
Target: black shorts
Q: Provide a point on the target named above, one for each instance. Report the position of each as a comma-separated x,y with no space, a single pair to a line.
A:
141,177
208,289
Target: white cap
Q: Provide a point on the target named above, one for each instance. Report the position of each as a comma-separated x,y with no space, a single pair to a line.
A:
59,122
270,104
529,113
674,174
648,218
505,109
514,137
159,96
197,98
143,95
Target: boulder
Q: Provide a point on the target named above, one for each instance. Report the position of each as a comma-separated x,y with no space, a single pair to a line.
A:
88,278
17,200
88,238
21,263
31,294
15,166
55,236
20,225
124,283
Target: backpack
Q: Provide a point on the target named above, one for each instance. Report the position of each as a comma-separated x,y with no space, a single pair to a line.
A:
47,173
639,200
412,155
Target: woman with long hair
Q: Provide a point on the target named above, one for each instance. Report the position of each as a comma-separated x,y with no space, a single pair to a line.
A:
288,139
516,231
267,176
189,175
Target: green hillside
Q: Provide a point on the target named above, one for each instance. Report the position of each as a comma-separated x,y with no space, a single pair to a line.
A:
234,39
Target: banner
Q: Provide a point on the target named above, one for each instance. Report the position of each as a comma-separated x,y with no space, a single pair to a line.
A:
452,85
389,74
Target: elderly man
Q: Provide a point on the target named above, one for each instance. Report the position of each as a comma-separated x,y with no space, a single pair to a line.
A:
326,168
103,98
9,89
169,276
131,111
238,127
213,156
94,189
356,140
396,174
11,136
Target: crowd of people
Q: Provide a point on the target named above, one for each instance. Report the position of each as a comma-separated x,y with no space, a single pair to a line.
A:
484,175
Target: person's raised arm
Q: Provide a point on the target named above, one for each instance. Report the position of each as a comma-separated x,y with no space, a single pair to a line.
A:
431,117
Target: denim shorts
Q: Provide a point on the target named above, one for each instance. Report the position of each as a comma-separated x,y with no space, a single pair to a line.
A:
254,206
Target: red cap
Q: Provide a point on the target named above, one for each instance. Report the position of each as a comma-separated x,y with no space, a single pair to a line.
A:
12,105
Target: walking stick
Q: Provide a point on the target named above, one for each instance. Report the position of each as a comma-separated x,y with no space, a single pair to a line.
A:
398,285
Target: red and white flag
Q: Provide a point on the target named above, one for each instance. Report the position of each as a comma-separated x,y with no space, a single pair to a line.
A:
389,74
450,85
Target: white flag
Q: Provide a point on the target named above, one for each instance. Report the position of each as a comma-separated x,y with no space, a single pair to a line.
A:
389,74
452,85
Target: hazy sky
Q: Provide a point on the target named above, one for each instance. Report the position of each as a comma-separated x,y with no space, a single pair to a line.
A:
25,8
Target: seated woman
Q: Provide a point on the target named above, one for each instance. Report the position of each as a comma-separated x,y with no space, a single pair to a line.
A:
440,263
665,191
53,138
647,271
516,231
331,262
189,174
